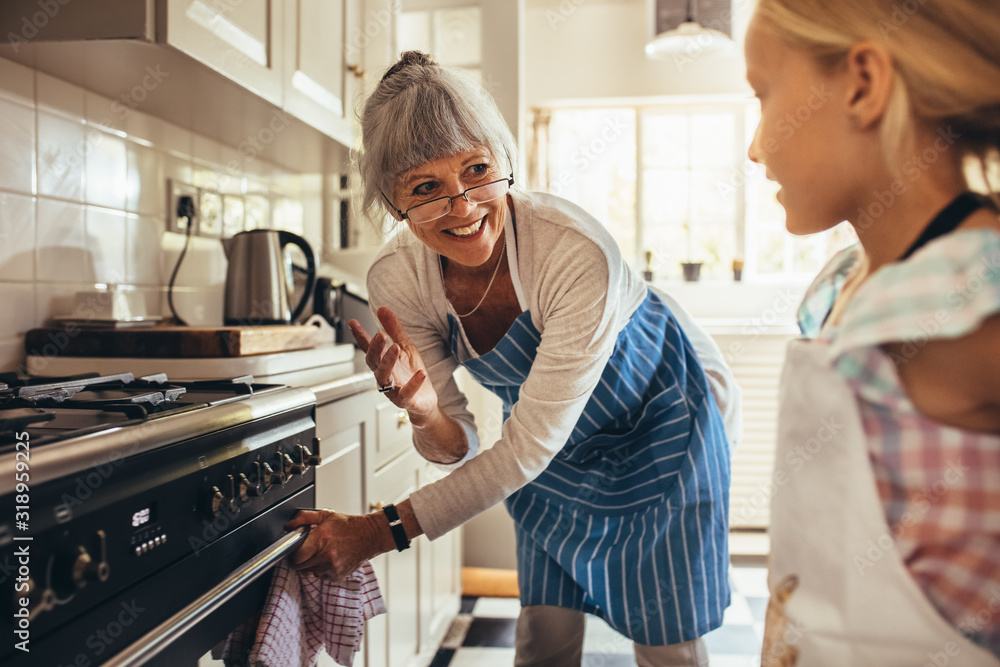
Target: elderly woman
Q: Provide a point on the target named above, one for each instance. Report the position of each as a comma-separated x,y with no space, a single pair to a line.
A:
614,459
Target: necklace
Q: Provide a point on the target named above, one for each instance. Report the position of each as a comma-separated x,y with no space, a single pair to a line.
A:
503,249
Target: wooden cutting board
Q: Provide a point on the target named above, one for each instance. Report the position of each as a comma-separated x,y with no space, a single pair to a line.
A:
169,342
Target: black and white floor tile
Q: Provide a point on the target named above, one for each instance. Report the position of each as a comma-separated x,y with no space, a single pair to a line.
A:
483,633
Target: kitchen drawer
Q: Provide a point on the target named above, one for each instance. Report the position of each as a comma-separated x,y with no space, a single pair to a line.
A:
395,435
341,423
339,480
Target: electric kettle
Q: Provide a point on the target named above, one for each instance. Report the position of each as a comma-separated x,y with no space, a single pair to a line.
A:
259,280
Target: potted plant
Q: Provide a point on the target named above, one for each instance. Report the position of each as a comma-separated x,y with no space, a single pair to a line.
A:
691,267
647,273
738,269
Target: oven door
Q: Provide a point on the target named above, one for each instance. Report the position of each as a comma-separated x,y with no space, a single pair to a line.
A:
176,617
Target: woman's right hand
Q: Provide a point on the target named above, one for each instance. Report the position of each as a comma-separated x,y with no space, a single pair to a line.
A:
397,362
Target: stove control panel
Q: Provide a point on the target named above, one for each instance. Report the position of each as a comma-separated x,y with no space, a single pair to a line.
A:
248,486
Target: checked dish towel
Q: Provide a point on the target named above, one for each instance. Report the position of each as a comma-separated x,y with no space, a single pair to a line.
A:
303,615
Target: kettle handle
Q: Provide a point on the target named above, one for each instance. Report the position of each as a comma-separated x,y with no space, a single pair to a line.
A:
286,238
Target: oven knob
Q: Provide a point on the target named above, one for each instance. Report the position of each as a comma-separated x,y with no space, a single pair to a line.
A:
248,488
314,459
229,502
273,477
306,457
85,570
291,466
39,599
262,479
217,501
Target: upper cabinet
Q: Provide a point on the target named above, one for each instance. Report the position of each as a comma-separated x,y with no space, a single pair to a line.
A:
319,74
242,40
307,58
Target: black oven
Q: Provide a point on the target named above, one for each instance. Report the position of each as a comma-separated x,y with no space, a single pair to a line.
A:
147,534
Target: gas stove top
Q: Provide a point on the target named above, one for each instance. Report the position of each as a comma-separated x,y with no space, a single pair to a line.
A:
54,409
142,493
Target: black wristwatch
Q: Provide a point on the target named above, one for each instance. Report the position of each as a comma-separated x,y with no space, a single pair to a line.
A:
396,526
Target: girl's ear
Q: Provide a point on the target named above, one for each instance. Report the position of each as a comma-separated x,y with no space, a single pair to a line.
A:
871,75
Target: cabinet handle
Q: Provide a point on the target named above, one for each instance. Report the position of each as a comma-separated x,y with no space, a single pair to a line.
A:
357,71
402,418
375,507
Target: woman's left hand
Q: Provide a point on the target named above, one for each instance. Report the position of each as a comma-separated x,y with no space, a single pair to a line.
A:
394,359
337,543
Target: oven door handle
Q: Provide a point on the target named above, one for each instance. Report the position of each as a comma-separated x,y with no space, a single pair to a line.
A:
154,641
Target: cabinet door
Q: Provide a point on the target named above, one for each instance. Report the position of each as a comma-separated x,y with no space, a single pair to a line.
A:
239,39
395,434
440,578
393,639
319,88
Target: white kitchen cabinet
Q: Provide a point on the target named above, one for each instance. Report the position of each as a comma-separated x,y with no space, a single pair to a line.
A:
395,435
321,74
394,638
242,40
440,579
367,459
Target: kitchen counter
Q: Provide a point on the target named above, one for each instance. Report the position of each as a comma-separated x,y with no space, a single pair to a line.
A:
327,392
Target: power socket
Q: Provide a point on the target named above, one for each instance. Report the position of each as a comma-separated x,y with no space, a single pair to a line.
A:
176,190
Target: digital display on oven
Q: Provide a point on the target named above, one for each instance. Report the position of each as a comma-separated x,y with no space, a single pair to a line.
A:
145,516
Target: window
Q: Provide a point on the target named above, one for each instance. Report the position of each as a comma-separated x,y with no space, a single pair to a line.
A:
675,181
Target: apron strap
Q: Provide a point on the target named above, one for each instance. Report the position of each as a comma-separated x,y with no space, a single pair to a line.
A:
948,220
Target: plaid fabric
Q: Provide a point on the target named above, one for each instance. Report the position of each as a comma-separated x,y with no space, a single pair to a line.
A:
304,615
939,485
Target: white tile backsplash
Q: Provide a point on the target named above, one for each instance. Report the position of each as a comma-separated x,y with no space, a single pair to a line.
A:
106,238
60,97
105,113
142,251
83,199
18,309
147,189
61,152
107,169
62,250
17,237
17,147
143,128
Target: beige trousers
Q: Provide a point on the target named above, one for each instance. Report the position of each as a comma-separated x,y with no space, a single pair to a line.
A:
553,637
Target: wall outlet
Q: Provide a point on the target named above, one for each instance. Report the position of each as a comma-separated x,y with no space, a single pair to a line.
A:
176,190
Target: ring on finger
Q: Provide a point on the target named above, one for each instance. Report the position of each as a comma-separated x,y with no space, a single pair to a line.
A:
384,388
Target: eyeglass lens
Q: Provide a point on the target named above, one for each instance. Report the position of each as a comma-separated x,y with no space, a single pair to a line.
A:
480,194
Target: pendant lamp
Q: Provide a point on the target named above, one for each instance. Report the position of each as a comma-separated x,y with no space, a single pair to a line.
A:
690,36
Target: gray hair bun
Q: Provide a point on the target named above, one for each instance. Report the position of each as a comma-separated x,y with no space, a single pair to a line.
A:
407,59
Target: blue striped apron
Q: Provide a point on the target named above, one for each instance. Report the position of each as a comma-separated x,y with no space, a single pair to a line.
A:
630,519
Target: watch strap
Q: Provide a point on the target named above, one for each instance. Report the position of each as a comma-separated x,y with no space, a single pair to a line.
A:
396,526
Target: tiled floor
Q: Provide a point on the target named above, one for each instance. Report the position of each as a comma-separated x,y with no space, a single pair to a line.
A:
483,634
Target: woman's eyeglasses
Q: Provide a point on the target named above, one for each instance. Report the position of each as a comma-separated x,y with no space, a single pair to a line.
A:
438,208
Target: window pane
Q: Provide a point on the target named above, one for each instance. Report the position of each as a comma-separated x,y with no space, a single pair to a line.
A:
592,162
708,203
767,248
665,196
715,246
713,140
665,140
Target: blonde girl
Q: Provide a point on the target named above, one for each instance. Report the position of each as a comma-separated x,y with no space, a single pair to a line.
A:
886,530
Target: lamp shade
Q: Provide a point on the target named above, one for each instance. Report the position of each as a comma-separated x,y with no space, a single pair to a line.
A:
688,26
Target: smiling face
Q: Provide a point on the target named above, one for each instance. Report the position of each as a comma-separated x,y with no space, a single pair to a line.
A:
804,139
468,233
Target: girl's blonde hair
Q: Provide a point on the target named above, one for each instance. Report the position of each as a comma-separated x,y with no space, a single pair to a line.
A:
946,52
